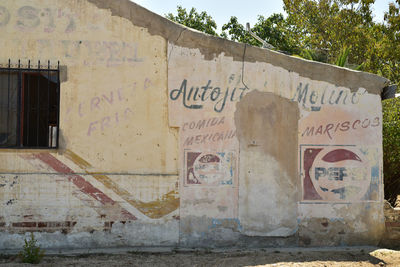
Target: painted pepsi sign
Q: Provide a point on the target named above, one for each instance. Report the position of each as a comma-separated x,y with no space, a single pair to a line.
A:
338,173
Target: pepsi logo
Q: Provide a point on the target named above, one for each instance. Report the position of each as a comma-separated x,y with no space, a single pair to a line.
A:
339,174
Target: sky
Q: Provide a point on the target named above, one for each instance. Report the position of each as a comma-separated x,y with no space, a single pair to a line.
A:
245,10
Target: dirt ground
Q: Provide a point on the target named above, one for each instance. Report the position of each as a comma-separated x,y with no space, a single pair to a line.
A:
279,257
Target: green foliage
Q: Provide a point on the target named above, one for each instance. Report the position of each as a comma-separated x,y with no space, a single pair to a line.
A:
31,252
237,32
330,25
341,60
391,148
192,19
345,27
274,30
339,32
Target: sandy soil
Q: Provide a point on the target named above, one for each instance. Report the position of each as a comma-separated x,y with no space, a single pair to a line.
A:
292,257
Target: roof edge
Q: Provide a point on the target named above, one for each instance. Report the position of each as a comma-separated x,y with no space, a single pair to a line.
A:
212,46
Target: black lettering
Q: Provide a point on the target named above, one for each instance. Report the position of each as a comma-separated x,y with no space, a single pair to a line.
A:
345,97
190,93
233,93
323,97
313,94
182,90
215,90
242,93
357,98
333,173
223,102
301,94
319,172
205,88
330,98
339,96
196,94
178,91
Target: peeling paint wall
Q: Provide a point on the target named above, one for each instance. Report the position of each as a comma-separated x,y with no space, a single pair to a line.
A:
114,179
170,137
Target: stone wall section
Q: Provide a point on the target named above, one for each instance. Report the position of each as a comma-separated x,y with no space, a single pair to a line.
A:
391,237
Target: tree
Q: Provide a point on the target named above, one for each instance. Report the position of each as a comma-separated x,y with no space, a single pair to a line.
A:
390,44
329,26
237,32
198,21
274,30
333,31
391,148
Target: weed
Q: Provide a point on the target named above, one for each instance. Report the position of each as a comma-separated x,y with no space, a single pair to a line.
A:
31,253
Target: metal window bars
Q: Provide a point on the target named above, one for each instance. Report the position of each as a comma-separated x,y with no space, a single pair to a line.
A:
29,105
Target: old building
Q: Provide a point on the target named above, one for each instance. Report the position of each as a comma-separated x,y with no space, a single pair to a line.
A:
121,128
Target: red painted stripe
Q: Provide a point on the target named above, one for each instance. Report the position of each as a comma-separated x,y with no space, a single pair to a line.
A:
83,185
339,155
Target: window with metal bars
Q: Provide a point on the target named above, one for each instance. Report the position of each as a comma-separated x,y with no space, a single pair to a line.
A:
29,106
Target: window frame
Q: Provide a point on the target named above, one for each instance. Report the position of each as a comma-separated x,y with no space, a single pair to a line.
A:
21,89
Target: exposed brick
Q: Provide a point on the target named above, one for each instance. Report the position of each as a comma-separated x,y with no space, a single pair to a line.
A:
24,224
42,224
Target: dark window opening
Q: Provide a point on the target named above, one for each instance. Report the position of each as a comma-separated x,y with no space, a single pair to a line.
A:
29,107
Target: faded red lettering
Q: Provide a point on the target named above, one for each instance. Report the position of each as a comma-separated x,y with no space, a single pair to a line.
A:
91,127
147,83
119,91
95,103
80,110
365,126
109,100
184,125
197,139
354,123
188,141
309,131
319,130
105,122
126,112
345,126
327,129
375,122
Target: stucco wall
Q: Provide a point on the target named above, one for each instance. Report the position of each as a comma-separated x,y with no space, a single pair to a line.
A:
170,137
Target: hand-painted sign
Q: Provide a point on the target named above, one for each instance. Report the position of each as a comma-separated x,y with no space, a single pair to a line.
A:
338,173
